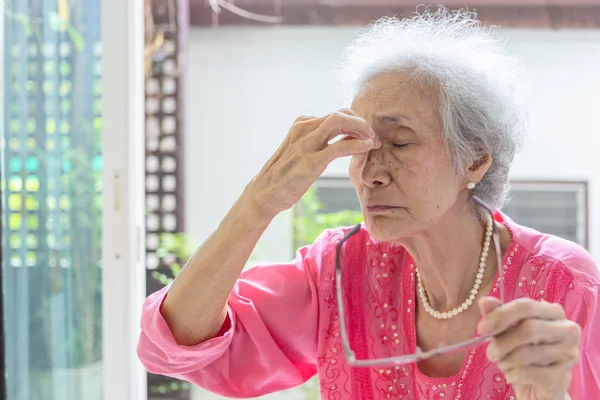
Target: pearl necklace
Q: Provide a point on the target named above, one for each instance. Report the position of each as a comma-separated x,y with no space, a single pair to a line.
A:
478,279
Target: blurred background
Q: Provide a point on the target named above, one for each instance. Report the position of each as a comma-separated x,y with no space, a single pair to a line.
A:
220,83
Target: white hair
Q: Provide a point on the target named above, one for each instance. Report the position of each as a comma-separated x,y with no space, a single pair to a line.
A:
479,93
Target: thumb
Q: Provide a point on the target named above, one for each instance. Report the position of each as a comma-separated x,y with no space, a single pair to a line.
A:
488,304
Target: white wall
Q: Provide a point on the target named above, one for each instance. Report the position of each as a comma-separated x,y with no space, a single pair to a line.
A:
247,85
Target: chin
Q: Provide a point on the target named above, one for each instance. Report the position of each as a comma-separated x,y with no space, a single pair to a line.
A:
385,229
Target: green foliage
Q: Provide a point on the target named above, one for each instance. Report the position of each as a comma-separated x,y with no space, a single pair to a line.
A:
56,23
82,280
310,220
170,387
176,246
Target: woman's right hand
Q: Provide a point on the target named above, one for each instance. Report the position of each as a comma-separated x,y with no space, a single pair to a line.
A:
304,155
196,315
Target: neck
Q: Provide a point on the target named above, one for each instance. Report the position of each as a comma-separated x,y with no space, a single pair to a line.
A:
447,256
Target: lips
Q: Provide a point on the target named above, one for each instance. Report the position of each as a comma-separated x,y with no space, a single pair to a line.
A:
380,208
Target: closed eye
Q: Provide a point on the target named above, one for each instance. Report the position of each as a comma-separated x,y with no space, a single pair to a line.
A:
400,145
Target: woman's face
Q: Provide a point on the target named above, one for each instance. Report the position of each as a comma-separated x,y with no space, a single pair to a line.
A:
409,183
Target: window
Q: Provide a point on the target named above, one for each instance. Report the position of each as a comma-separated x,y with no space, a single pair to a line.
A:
51,179
558,208
337,194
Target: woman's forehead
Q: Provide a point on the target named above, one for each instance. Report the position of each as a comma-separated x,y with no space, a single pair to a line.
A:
396,96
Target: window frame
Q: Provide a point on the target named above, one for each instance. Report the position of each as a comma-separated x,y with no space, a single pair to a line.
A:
123,224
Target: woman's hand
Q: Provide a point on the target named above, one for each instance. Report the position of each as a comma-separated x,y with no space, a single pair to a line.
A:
304,155
534,345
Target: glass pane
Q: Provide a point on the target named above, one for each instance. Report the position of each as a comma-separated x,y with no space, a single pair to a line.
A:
338,198
551,211
51,199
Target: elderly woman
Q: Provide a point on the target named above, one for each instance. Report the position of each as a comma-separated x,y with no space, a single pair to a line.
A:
432,128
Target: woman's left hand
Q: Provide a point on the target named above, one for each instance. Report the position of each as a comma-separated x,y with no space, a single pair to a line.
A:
534,345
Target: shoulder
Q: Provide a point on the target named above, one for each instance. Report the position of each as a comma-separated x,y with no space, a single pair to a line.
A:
560,265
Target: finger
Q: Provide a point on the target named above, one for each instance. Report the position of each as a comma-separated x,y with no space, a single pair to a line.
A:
551,378
301,125
304,125
540,355
512,313
533,332
340,123
345,148
488,304
347,111
303,118
352,135
308,123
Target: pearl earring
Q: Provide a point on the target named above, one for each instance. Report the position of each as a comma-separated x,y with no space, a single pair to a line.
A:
471,185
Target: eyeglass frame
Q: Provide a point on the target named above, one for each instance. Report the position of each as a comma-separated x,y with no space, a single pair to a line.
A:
419,355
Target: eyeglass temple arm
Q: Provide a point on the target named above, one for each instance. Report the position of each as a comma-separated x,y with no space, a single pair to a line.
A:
350,356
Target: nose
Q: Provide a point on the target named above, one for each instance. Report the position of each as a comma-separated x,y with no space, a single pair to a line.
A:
373,172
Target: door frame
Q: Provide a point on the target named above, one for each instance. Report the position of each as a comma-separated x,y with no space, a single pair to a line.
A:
123,226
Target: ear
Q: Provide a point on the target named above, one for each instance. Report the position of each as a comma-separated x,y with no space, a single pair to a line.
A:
479,168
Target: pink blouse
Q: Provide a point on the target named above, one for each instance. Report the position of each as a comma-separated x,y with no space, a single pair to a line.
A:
283,325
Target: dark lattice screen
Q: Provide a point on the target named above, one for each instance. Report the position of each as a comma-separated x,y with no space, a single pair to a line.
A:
164,196
166,32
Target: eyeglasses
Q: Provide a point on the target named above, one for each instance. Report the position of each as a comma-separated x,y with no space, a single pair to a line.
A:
419,355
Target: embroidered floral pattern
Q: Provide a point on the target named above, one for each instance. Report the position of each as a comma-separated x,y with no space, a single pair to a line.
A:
331,360
389,292
385,302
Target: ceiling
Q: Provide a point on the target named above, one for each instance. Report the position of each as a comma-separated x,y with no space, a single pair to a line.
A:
510,13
